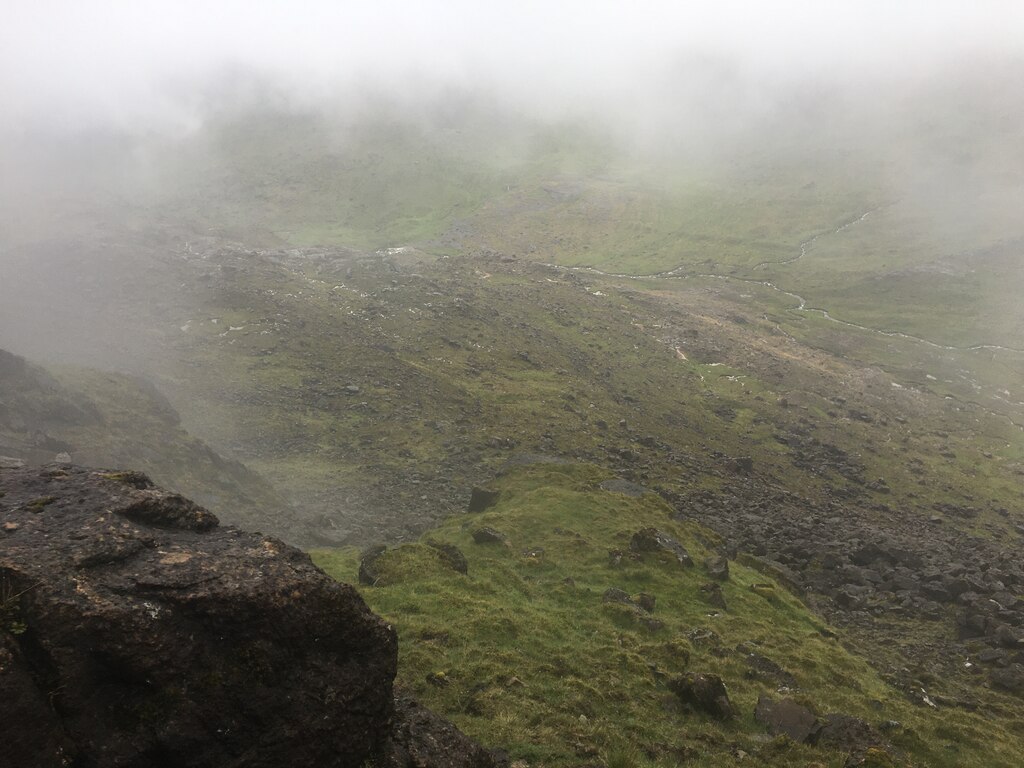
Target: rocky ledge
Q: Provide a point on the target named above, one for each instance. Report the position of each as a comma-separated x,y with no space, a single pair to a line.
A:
136,631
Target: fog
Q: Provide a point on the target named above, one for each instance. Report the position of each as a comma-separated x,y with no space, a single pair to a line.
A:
110,112
162,66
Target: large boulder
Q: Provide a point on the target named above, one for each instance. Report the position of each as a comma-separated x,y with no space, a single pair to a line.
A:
136,631
847,733
704,693
785,716
482,499
653,540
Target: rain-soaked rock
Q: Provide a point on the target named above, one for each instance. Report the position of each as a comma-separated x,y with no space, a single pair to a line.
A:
846,733
487,535
785,716
482,499
653,540
421,739
1009,678
137,631
764,669
705,693
450,555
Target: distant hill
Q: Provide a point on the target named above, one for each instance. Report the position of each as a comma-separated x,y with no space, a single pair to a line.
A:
116,420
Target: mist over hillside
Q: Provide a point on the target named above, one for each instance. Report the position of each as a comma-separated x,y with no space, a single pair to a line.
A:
665,288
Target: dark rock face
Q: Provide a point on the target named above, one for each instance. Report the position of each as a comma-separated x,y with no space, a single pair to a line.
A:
785,716
487,535
1009,678
421,739
481,499
847,733
135,631
767,671
450,555
705,693
653,540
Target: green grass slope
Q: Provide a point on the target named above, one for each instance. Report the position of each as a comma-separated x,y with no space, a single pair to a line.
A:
523,653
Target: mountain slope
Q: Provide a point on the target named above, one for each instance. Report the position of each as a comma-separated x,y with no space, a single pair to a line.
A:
115,420
562,640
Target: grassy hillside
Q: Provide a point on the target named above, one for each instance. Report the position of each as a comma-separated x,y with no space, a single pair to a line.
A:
104,419
811,348
937,256
523,653
384,387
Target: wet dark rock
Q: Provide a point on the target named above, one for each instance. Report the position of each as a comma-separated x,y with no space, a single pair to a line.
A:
482,499
1010,678
164,639
992,655
764,669
653,540
1008,637
742,465
846,733
451,555
488,535
705,693
421,739
785,716
169,510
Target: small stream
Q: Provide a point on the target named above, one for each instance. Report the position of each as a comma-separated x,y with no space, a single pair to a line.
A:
679,273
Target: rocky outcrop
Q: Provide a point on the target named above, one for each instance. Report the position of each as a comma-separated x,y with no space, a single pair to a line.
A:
854,564
652,540
482,499
704,693
136,631
786,717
